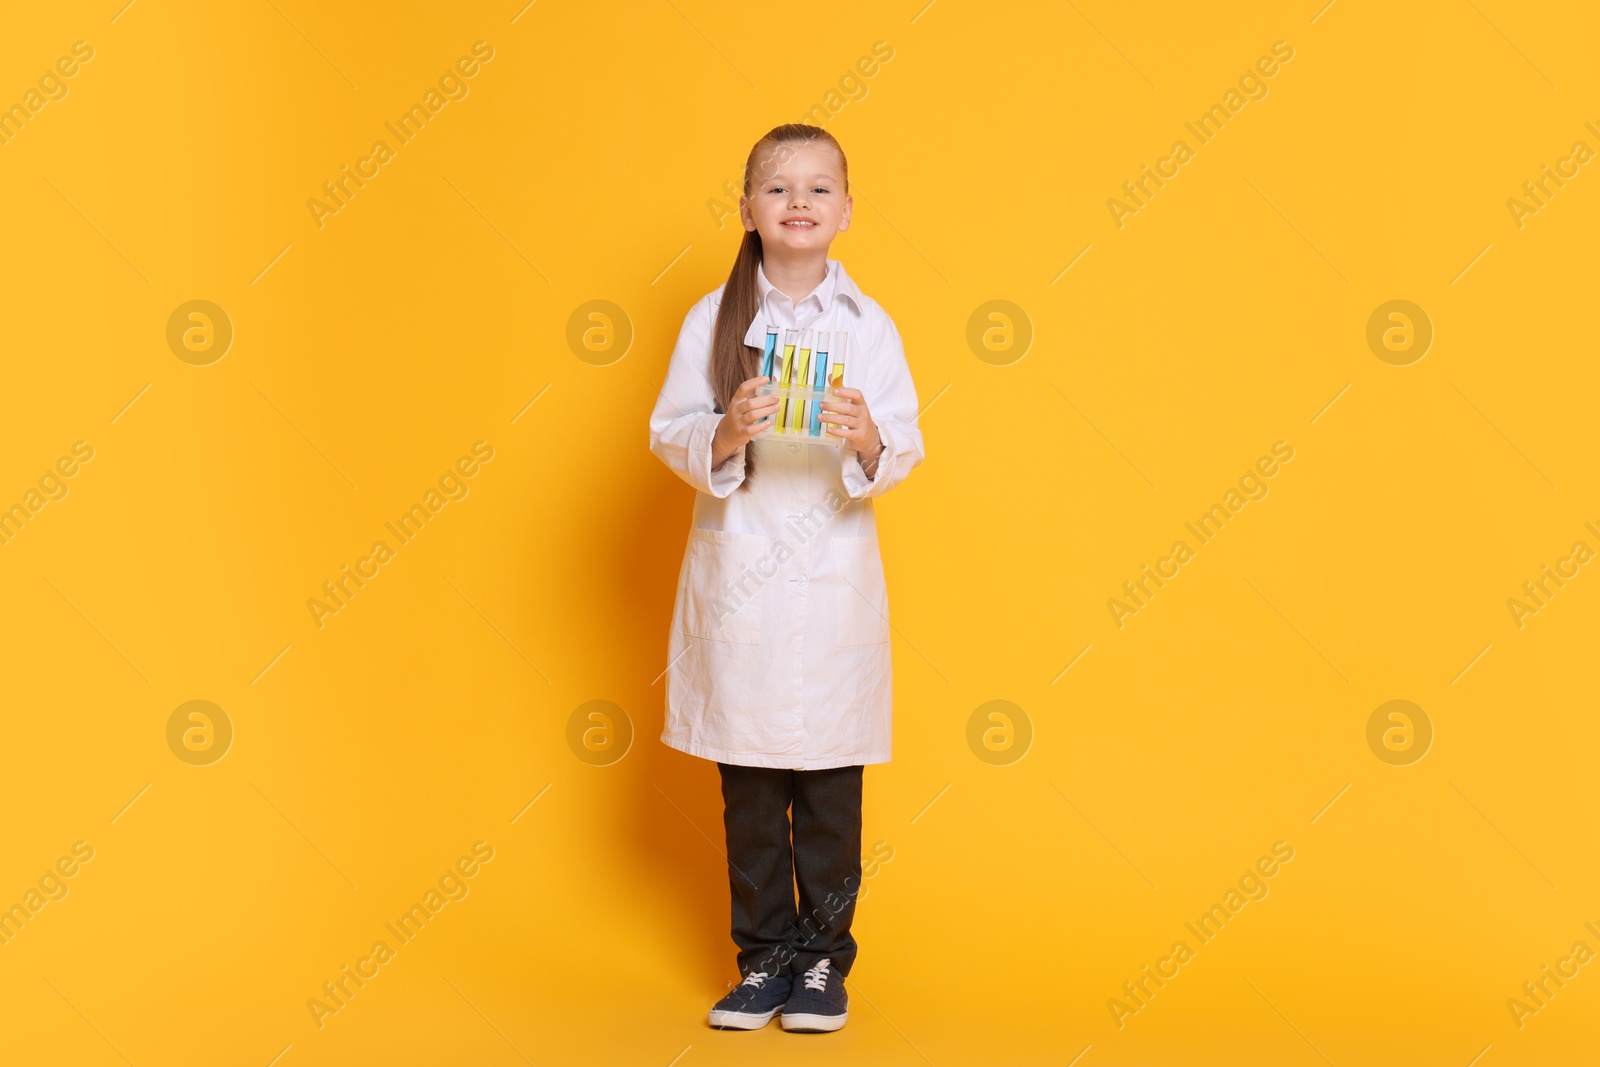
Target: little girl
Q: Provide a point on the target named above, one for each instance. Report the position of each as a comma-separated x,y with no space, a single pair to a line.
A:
778,660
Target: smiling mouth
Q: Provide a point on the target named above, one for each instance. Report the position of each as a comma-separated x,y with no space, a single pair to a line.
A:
798,225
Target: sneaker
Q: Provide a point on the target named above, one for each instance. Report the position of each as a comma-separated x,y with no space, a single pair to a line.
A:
818,1004
751,1004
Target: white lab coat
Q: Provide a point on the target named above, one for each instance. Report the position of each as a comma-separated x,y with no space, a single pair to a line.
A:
779,650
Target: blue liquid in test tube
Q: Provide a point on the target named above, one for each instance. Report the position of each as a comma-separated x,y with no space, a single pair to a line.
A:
824,345
768,358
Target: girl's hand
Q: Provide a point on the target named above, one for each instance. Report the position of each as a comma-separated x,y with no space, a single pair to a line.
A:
852,421
743,419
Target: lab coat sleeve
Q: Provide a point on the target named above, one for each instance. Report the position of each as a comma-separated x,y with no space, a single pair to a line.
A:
683,422
892,398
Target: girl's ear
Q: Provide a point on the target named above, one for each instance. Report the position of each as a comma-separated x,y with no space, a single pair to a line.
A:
844,218
744,213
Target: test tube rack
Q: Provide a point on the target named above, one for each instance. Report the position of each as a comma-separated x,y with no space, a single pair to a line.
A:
804,373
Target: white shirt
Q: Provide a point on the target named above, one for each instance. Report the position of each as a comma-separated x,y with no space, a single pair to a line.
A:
779,649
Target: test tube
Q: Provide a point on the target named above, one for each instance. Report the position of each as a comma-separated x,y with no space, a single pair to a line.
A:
785,375
769,354
841,342
819,381
801,381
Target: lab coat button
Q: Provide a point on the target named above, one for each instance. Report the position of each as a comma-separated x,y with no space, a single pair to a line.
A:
794,448
799,579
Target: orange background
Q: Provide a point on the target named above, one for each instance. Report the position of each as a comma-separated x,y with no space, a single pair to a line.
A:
1141,771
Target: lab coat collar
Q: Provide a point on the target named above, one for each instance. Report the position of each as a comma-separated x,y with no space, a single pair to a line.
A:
835,285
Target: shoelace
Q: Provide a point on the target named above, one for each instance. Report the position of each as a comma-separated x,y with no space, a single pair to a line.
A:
817,977
755,978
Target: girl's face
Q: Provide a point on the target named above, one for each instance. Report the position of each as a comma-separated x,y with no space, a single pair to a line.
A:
799,202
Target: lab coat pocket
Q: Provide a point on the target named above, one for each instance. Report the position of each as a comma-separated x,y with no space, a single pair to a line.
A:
862,605
722,598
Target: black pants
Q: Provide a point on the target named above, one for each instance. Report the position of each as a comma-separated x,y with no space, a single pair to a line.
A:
764,869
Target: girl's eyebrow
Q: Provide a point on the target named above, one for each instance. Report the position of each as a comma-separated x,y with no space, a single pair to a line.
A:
814,177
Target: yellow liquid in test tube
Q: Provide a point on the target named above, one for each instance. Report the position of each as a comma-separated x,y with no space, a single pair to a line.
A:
800,380
841,345
785,372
